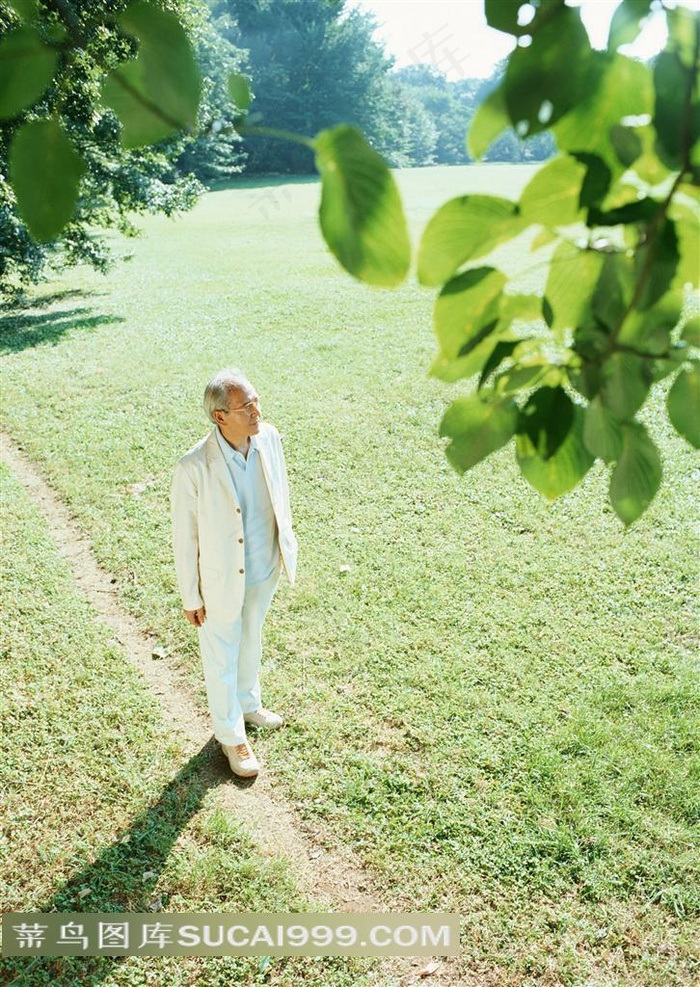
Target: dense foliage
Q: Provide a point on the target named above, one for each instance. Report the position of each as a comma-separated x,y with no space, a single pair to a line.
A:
214,152
314,65
613,218
65,172
450,106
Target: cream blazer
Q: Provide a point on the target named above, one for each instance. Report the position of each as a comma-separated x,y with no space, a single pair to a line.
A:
208,526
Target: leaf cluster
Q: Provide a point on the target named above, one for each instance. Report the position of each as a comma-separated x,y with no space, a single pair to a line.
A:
69,163
613,220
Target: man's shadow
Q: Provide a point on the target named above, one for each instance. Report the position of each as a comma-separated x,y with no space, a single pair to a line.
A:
115,879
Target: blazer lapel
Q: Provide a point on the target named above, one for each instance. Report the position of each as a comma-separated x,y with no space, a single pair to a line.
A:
218,470
267,470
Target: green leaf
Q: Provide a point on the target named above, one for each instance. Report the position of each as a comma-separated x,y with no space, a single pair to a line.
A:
543,239
677,355
474,341
361,215
504,15
602,433
626,22
156,94
683,405
45,170
637,211
687,194
452,369
649,330
671,82
467,309
512,308
520,308
687,230
500,352
463,229
477,428
467,315
561,472
587,378
691,332
637,475
573,274
682,27
597,181
624,89
27,66
551,197
665,258
614,290
551,76
625,385
55,32
25,9
523,377
695,162
547,312
649,166
627,143
488,123
546,420
239,90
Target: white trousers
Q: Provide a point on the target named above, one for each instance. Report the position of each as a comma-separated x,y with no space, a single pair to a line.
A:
231,656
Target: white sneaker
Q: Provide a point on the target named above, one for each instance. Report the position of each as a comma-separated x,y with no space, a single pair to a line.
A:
264,718
242,760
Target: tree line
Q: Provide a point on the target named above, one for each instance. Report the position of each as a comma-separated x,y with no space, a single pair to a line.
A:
316,64
312,65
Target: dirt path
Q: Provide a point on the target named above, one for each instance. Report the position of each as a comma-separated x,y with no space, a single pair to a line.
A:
337,878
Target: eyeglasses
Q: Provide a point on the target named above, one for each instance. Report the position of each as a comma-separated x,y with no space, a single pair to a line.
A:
249,408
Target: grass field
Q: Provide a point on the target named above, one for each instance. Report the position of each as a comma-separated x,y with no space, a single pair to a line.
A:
102,812
493,701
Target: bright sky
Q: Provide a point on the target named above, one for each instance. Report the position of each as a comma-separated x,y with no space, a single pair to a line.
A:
452,35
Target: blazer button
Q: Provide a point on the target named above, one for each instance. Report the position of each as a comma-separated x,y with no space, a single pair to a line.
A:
238,510
240,541
241,571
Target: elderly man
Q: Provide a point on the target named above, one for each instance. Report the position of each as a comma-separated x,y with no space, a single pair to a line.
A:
232,534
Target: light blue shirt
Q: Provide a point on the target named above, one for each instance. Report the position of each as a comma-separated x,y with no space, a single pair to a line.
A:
262,554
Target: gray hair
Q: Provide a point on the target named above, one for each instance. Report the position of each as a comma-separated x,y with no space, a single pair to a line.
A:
217,390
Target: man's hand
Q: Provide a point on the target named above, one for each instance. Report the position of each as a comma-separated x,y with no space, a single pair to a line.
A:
196,617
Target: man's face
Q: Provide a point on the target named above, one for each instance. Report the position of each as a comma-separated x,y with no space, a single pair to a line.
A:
243,416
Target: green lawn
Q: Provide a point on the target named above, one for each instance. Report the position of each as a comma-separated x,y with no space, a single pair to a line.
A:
493,701
102,811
